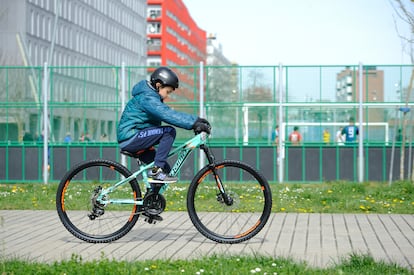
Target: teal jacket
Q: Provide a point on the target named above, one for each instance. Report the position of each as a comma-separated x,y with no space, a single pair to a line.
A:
147,109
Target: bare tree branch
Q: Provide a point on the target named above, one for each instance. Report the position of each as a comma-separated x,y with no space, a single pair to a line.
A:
407,16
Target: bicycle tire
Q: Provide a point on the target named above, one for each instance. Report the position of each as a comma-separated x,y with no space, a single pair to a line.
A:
74,201
235,223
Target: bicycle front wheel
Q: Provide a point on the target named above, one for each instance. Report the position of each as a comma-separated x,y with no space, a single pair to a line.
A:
83,215
236,215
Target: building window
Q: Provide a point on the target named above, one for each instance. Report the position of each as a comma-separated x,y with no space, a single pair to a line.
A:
154,45
32,22
153,61
77,41
154,12
29,46
154,28
49,29
37,25
69,6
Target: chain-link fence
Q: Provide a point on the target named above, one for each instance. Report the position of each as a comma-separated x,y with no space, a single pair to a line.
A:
243,103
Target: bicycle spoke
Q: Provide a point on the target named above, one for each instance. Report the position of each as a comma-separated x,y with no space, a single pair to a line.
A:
80,209
242,216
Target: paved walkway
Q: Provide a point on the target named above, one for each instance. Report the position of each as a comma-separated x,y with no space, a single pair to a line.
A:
319,239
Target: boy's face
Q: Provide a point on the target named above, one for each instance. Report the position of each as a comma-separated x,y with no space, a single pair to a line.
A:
165,91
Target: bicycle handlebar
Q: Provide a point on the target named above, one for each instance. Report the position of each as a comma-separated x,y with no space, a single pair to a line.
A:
199,131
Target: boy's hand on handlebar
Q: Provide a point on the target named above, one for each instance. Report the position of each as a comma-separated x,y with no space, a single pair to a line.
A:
201,125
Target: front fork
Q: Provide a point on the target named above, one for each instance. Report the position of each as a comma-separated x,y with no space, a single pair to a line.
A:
222,196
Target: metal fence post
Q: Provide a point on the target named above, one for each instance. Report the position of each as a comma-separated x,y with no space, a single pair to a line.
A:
281,148
361,127
123,101
202,114
45,125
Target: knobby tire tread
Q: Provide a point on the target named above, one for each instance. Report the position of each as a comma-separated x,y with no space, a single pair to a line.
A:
65,219
215,236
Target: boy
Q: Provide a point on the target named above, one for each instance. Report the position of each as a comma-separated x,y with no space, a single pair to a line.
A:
351,132
295,137
275,135
140,125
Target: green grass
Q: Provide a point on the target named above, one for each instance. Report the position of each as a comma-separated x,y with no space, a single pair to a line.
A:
333,197
354,264
344,197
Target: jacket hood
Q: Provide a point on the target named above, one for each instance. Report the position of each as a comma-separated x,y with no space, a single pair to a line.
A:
142,87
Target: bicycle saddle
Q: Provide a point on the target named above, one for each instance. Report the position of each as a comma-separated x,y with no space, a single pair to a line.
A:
136,154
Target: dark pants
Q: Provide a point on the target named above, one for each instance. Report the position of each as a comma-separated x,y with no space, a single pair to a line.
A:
162,136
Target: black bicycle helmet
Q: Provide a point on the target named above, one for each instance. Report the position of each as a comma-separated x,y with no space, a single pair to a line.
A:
165,76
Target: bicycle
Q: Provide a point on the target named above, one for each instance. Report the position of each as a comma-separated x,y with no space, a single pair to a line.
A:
100,200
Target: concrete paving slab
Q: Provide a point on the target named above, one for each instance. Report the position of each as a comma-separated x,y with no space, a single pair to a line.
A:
318,239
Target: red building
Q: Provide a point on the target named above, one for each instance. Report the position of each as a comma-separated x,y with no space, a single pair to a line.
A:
174,39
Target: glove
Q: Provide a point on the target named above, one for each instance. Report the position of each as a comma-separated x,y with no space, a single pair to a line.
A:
201,125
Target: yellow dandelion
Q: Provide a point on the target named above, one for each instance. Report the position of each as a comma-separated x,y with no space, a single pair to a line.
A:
284,209
330,191
362,207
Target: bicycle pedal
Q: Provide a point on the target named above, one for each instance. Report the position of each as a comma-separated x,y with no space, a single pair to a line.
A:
152,219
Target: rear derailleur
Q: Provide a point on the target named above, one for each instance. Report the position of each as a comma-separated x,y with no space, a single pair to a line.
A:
97,208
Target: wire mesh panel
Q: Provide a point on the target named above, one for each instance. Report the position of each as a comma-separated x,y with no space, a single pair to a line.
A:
243,103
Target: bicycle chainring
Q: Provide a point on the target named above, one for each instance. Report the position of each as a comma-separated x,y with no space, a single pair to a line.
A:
154,204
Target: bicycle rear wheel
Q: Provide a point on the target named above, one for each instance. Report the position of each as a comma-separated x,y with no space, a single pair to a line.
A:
82,215
243,216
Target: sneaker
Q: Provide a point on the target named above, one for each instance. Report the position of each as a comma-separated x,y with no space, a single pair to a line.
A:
157,175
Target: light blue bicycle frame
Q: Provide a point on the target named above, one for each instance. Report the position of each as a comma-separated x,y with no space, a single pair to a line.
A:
183,152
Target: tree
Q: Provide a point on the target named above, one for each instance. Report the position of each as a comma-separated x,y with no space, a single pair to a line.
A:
405,12
258,92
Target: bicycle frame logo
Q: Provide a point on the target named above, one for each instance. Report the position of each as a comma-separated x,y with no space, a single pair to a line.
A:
180,160
185,150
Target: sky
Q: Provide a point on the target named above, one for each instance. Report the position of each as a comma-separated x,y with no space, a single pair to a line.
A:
304,32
